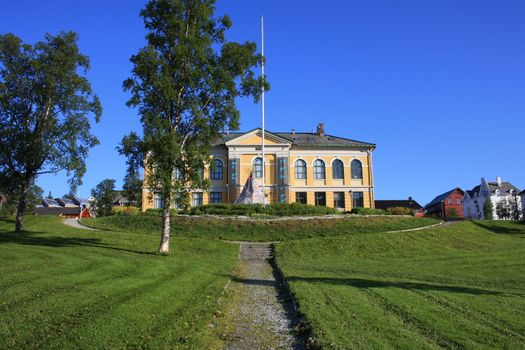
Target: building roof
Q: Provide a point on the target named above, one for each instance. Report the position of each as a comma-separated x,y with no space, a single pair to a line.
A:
302,139
393,203
442,197
50,202
42,210
119,198
504,189
522,192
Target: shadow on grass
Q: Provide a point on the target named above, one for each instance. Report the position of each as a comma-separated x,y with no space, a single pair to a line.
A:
34,238
364,283
498,229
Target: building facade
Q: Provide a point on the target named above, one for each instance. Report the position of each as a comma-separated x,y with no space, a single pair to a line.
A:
496,192
311,168
447,205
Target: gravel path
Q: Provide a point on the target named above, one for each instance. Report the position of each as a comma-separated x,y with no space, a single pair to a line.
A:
262,315
76,224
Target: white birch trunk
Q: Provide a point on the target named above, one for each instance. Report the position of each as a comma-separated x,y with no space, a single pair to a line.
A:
164,247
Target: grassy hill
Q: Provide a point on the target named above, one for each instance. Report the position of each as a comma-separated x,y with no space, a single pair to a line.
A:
63,288
459,287
256,229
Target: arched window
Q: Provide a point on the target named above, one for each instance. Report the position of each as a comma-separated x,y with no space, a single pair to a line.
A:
216,169
357,169
300,169
258,167
319,170
338,170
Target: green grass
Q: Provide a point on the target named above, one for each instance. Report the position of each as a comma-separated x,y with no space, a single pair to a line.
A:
257,230
459,287
62,288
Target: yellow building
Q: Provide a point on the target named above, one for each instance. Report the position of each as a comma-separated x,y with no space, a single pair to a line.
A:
311,168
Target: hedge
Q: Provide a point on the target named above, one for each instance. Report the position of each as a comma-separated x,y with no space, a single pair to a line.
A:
368,211
279,209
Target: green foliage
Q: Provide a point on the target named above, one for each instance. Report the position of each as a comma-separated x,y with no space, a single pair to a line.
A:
185,83
456,286
125,210
368,211
64,288
400,211
256,229
452,213
278,209
503,210
133,188
488,209
44,107
33,198
103,194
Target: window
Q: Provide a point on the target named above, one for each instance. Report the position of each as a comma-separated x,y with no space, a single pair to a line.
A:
215,197
449,200
357,200
178,174
176,201
158,202
339,200
216,169
338,170
300,169
320,199
196,199
357,170
300,197
258,167
319,170
458,201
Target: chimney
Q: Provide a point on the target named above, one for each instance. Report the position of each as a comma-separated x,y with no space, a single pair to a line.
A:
320,129
293,131
409,198
498,180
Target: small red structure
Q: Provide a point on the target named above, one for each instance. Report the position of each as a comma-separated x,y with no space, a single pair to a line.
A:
448,205
85,214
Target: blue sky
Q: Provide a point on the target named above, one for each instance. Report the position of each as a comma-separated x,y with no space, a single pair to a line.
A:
438,85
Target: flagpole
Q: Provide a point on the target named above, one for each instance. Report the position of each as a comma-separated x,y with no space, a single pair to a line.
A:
262,105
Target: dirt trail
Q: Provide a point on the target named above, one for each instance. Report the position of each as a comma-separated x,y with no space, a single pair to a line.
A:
261,314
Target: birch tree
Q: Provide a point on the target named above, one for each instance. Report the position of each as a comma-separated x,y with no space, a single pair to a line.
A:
45,105
185,82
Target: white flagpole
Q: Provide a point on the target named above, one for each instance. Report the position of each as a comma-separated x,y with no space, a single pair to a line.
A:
262,103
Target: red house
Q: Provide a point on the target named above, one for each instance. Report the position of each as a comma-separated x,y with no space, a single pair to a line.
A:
448,205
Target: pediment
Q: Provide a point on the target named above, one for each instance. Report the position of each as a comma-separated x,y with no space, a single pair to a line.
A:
254,138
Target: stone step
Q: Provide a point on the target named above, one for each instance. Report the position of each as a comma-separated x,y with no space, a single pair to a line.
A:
254,251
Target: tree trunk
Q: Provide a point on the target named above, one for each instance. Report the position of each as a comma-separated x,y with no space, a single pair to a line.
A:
21,208
164,247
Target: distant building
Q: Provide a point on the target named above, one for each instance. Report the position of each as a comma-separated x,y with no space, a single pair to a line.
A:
63,207
447,205
398,203
497,192
119,200
522,195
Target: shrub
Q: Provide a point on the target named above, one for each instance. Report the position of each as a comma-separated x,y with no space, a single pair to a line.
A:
125,210
400,211
368,211
279,209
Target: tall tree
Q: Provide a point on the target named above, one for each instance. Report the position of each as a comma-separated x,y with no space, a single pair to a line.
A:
103,194
184,83
45,104
488,209
133,187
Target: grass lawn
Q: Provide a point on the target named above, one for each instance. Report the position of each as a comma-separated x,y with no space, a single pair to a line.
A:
459,287
257,230
63,288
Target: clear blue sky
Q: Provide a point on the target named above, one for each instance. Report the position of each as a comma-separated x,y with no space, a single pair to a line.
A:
438,85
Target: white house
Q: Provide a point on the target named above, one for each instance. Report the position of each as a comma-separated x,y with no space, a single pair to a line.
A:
522,195
497,192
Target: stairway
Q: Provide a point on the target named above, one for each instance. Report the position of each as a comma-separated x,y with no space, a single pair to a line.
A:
256,251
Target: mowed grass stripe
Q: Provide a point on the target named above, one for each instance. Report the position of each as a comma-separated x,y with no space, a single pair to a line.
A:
492,321
112,290
460,286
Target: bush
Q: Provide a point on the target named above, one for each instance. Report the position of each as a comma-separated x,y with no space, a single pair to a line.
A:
279,209
368,211
399,211
125,210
